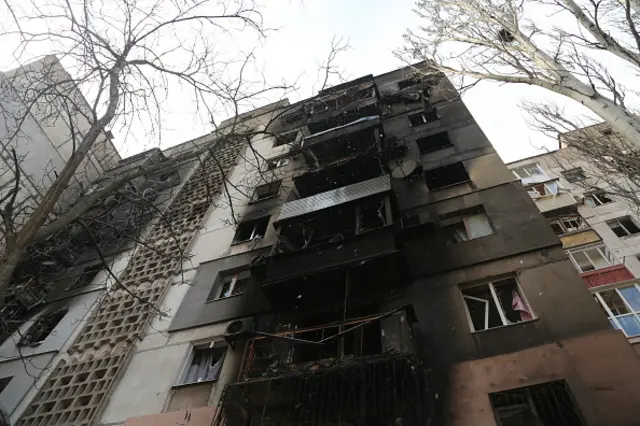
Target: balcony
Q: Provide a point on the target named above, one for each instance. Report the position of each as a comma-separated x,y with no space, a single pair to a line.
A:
345,343
356,137
332,230
360,375
610,275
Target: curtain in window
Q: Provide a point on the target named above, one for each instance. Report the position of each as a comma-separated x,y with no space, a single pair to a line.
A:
519,305
478,226
204,367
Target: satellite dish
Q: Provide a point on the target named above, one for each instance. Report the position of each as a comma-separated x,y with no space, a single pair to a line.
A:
403,167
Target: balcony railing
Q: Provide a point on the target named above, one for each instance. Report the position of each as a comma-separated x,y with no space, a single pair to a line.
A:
326,346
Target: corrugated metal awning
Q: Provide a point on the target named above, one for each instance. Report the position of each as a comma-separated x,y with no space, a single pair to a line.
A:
335,197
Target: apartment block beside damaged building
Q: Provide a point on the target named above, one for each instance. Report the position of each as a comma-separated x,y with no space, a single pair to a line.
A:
378,264
598,227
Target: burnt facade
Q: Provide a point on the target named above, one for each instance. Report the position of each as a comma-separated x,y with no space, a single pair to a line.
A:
410,281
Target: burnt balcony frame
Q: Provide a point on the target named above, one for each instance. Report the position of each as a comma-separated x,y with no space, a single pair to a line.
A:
330,345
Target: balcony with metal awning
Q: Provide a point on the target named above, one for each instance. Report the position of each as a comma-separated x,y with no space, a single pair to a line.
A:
335,229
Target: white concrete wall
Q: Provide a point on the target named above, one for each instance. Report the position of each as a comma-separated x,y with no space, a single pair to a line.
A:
160,357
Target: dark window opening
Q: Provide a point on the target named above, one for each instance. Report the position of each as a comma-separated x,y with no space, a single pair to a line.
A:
547,404
574,175
85,278
277,163
264,192
403,84
434,142
597,199
557,228
450,175
423,117
623,227
251,229
42,328
371,216
4,382
285,138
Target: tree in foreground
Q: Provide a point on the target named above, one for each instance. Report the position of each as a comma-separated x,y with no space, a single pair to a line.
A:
127,58
517,41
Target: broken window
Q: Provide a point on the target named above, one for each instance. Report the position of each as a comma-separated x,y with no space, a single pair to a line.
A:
597,199
592,258
370,216
285,138
423,117
622,306
623,227
495,304
231,285
434,142
467,227
4,382
42,328
564,224
450,175
277,163
547,404
251,229
529,171
206,364
266,191
544,189
85,278
574,175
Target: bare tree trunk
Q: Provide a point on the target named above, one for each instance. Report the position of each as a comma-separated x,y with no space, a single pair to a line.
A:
9,260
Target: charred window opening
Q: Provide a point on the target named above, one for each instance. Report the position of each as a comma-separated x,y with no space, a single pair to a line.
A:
442,177
86,277
267,191
434,142
468,225
285,138
412,81
334,224
574,175
623,227
423,117
230,285
42,328
251,229
496,304
547,404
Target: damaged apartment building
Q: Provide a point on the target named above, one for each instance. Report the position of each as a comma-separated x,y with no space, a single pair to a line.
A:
596,221
366,258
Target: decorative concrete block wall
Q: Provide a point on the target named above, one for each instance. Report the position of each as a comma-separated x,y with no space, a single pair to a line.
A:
76,390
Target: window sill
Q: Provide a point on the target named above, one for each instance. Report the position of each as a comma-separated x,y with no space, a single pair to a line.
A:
223,298
262,199
504,326
468,241
184,385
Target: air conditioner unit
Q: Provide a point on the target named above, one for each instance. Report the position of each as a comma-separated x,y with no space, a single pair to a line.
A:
238,329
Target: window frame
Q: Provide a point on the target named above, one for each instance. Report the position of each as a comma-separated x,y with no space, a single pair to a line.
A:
531,190
200,346
241,276
430,116
529,175
621,225
277,183
428,175
595,198
613,318
561,222
464,219
606,254
254,231
574,175
496,300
